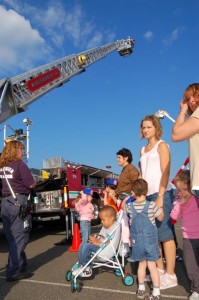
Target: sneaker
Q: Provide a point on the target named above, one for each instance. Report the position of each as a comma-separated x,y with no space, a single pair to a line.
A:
152,297
194,296
86,273
167,281
74,272
141,294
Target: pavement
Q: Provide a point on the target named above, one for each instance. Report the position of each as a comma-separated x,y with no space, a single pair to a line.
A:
49,259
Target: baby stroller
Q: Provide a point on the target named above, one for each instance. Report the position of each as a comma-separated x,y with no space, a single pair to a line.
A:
106,256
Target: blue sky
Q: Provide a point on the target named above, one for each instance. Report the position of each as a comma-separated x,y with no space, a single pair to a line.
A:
98,112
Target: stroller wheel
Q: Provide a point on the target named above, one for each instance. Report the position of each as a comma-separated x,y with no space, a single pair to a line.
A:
73,286
118,272
79,286
128,279
68,275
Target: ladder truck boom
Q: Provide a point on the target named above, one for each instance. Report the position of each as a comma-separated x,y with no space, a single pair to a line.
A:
18,92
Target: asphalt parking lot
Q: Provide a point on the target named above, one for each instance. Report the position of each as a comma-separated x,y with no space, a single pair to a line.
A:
50,261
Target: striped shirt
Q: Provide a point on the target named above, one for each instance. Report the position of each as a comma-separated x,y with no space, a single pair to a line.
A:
153,212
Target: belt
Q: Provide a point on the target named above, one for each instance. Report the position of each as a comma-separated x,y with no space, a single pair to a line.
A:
8,195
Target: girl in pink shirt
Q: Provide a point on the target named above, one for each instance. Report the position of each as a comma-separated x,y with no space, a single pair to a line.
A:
85,209
186,208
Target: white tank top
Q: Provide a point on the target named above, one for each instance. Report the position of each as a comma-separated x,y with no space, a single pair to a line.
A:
150,168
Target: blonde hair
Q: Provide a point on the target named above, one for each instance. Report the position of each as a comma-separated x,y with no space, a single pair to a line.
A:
156,123
10,152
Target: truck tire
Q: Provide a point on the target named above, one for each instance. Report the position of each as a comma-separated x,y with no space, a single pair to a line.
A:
96,203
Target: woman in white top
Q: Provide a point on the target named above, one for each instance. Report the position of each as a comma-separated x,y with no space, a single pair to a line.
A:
155,169
188,129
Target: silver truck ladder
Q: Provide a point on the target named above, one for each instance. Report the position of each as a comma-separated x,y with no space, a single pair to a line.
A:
18,92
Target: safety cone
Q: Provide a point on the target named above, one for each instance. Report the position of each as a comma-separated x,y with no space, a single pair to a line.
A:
76,239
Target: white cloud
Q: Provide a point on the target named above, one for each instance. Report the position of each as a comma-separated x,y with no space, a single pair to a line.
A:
29,33
60,23
77,27
148,35
173,36
96,40
21,45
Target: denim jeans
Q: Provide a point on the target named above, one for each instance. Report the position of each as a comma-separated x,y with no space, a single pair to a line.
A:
85,229
165,228
85,252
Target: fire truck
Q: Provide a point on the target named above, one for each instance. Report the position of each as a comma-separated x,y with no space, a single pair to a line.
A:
59,183
53,197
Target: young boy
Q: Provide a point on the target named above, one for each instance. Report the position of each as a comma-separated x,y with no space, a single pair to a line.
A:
85,209
186,208
144,237
107,215
110,194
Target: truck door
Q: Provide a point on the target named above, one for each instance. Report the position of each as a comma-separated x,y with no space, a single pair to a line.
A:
74,183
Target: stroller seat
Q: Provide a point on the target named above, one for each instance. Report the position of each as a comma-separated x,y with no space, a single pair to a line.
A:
109,250
106,256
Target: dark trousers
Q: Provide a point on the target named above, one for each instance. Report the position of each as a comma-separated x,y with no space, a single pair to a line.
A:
191,260
17,236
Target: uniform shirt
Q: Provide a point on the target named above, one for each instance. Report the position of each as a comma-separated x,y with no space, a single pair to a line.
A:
128,175
153,212
19,177
193,156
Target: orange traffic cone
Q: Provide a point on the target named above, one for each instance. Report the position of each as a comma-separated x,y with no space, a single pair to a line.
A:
76,239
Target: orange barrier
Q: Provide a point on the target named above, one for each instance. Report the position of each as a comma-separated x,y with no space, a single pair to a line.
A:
76,239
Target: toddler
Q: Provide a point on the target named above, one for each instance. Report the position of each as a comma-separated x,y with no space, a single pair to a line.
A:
186,208
85,209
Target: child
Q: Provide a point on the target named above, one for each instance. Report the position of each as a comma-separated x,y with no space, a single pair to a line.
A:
107,215
111,200
110,194
86,211
144,237
186,208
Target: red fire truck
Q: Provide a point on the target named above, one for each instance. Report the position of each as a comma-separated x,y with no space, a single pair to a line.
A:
59,183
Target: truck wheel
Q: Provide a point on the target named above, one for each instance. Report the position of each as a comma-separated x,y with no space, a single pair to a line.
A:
96,220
